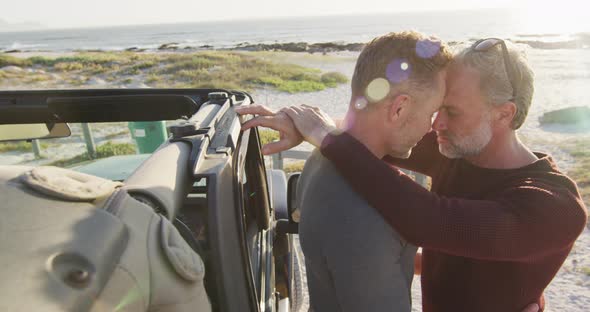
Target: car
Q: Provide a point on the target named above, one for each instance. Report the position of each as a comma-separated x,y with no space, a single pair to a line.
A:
138,232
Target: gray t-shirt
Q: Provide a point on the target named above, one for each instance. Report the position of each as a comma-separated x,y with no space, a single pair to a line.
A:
355,261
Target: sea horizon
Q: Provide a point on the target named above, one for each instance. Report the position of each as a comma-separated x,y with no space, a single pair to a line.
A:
454,26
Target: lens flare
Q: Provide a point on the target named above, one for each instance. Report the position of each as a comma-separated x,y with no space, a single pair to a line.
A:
398,70
377,90
361,103
427,48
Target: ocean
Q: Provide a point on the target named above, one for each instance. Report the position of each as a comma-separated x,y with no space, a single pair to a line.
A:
457,26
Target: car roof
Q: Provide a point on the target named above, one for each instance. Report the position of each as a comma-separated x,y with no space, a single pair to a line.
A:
100,105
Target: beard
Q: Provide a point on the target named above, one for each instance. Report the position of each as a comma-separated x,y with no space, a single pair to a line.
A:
470,145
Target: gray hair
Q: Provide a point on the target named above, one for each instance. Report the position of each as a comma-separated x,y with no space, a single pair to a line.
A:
495,83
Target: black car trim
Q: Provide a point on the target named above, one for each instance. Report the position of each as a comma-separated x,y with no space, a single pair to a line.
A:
239,163
22,107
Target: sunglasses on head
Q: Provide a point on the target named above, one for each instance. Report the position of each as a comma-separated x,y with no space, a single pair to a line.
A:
483,45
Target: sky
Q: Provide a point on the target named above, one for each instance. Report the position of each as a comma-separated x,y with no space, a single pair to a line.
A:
91,13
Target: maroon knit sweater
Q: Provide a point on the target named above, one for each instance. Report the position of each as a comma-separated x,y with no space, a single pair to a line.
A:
492,238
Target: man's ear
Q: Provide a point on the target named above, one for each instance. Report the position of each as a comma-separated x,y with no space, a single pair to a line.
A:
398,106
505,113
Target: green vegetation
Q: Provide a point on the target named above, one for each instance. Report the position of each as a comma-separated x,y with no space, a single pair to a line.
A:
219,69
105,150
301,86
268,136
113,149
237,70
580,173
68,66
153,79
585,270
332,79
20,146
294,167
7,60
303,58
38,78
301,82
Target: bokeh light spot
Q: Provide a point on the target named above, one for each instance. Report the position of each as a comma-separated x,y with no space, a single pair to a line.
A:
398,70
361,103
377,90
427,48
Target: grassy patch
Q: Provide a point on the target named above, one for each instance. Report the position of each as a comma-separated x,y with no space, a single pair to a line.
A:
585,270
20,146
68,66
219,69
85,58
301,86
7,60
113,149
268,136
237,70
301,82
294,166
580,173
145,65
187,64
38,78
153,79
306,58
332,79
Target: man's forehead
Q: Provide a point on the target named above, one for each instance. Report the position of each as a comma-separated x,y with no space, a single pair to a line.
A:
461,79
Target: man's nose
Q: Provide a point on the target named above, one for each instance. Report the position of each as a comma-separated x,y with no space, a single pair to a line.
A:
439,123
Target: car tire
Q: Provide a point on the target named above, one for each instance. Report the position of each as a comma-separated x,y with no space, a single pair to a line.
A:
296,272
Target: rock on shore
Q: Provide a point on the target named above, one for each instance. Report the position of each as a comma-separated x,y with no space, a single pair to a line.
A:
579,115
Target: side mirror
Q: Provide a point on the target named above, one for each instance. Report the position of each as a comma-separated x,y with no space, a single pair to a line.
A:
292,208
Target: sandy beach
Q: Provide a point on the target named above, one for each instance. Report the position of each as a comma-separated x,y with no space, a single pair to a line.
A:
569,291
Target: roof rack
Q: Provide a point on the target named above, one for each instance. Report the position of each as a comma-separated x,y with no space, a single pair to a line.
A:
214,128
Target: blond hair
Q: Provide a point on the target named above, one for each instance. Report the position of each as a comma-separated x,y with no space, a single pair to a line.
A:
420,58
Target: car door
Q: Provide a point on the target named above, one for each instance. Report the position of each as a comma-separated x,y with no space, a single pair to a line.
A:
256,216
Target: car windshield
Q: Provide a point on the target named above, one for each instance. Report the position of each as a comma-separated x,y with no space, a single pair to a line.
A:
111,150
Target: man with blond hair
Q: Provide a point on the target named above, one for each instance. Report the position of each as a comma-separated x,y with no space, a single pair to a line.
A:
500,220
